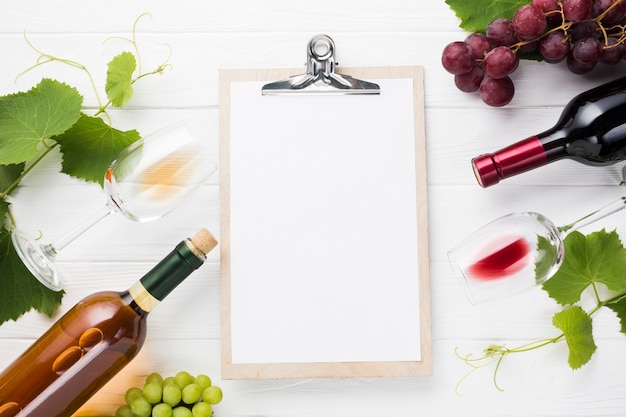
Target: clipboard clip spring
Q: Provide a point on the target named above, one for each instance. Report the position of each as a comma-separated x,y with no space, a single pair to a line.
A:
321,76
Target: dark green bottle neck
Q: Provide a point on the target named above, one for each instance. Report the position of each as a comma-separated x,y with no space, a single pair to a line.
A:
172,270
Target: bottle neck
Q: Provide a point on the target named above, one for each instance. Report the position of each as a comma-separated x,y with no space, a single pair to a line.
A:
512,160
154,286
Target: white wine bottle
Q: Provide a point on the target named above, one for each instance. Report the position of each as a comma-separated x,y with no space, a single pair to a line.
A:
94,340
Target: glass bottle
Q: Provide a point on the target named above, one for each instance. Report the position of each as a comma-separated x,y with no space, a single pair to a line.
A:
94,340
591,130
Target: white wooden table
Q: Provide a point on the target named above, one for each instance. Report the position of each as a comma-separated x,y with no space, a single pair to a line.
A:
184,331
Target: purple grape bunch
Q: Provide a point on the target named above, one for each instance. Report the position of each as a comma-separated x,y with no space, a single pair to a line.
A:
581,33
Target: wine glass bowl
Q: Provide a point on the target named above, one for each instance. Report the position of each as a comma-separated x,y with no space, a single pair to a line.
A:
509,255
146,181
515,252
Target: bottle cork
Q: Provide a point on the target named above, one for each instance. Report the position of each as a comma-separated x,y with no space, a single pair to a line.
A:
204,241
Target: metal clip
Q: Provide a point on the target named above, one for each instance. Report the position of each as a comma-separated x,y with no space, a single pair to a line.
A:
321,76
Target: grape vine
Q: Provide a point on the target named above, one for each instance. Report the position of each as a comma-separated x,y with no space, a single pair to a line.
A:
585,269
581,33
51,115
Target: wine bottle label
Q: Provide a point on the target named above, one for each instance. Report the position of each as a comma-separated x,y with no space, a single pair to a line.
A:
142,297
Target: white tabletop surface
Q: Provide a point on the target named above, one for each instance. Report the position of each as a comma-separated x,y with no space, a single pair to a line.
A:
184,331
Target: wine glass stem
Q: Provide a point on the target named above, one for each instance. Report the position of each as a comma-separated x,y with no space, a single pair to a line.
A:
607,210
51,249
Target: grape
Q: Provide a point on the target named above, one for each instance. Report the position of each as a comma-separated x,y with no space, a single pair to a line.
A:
212,395
500,62
457,58
191,393
497,92
582,33
132,393
155,378
500,32
613,16
479,43
529,22
182,395
124,411
583,30
181,412
141,407
577,10
162,410
203,380
469,82
153,392
578,67
551,10
613,52
183,378
528,47
554,47
172,394
545,6
202,409
587,51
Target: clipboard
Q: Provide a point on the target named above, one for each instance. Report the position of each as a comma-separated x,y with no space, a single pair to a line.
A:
324,235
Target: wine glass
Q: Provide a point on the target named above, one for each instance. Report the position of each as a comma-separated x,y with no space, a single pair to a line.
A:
515,253
146,181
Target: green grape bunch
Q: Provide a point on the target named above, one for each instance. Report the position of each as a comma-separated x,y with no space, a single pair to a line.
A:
580,33
182,395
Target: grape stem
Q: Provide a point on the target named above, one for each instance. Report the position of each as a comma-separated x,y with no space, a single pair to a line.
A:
495,354
566,25
46,58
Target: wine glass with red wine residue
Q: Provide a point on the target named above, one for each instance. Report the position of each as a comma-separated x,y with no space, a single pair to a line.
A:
515,253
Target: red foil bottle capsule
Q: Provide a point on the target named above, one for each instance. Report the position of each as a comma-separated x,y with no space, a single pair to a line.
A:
591,130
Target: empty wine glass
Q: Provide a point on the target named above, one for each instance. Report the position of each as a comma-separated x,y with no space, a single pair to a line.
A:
146,181
514,253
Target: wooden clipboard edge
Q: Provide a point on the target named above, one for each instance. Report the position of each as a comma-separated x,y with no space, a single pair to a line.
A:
423,367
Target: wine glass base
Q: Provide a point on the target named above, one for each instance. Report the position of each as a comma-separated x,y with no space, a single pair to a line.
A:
38,263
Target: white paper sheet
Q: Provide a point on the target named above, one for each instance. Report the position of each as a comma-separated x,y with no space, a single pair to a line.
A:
324,264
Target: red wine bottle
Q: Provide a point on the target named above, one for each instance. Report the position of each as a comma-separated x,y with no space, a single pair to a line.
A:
93,341
591,130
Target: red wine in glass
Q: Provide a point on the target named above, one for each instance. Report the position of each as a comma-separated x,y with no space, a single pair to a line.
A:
504,257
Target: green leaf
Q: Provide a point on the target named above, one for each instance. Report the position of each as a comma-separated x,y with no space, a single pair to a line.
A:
9,174
546,258
119,85
27,118
19,289
89,147
475,15
619,307
577,329
4,210
598,257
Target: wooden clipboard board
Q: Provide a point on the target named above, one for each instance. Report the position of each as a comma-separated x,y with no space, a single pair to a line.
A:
232,263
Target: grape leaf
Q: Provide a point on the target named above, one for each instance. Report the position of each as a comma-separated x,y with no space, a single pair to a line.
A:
4,210
92,137
27,118
597,257
9,174
475,15
577,329
119,86
546,258
19,289
619,307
